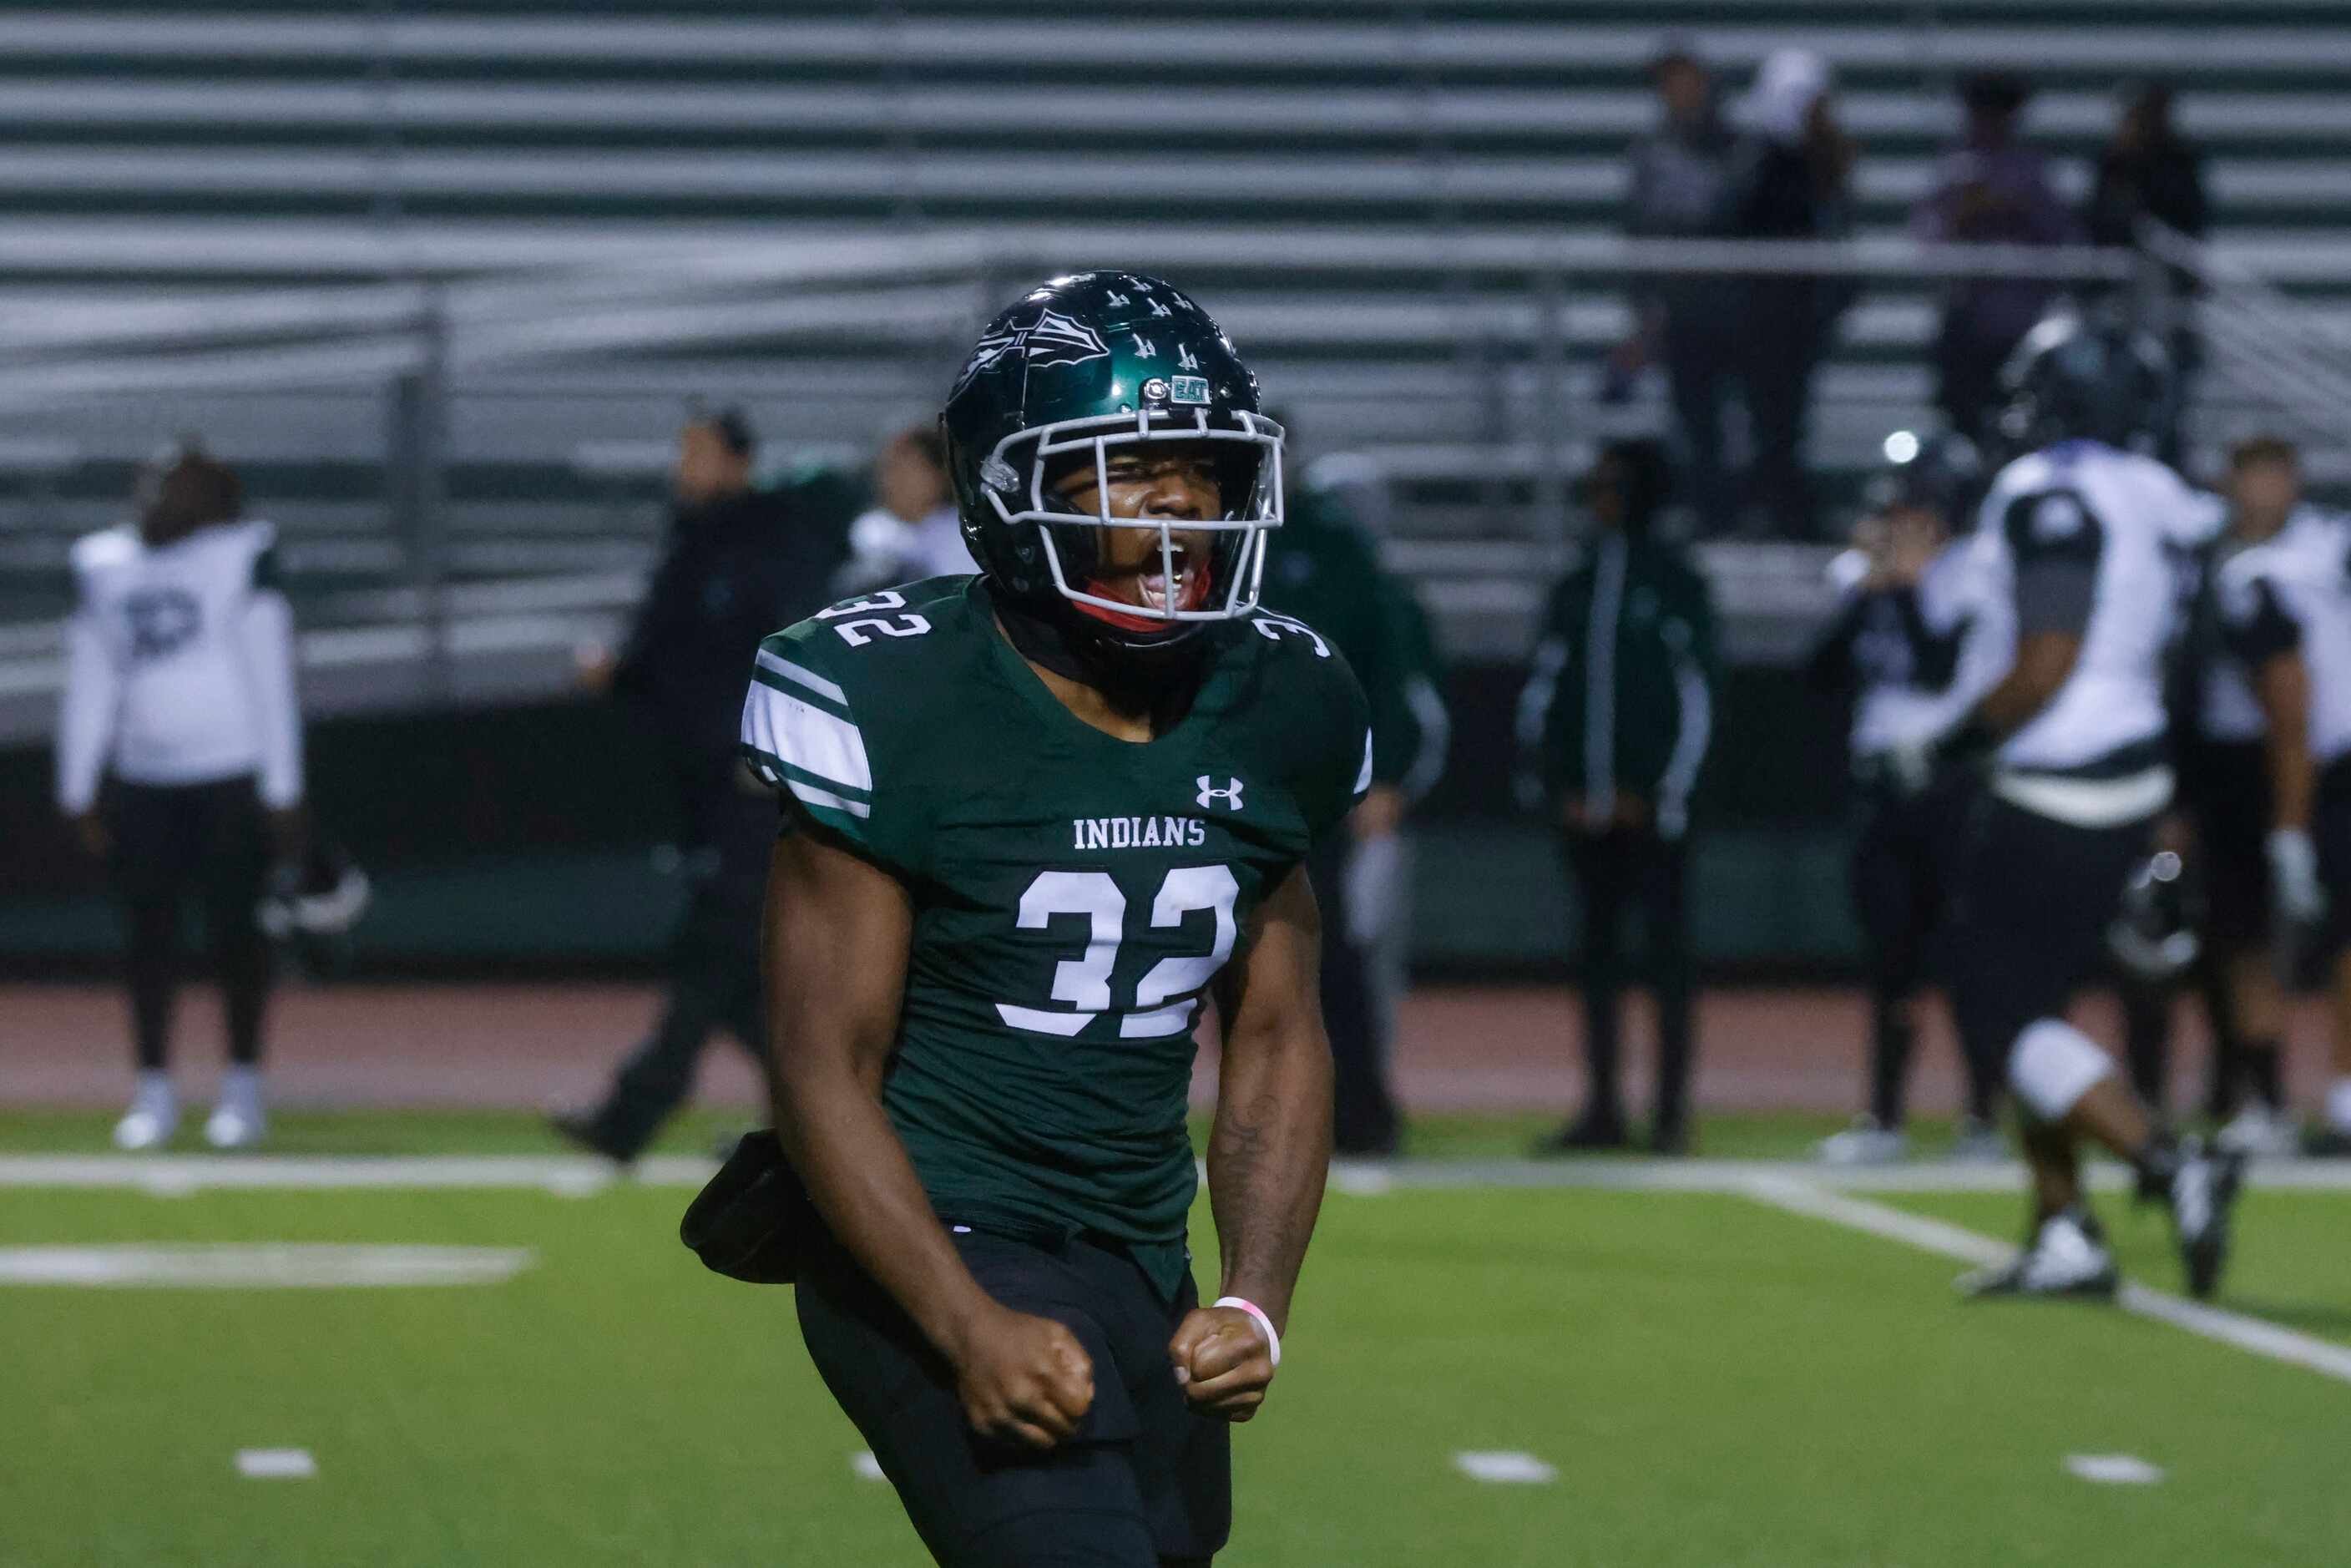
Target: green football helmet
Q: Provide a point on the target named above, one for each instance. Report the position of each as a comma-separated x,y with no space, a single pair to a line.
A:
1079,367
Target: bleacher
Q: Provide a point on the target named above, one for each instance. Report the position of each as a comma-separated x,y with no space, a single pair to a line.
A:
1358,190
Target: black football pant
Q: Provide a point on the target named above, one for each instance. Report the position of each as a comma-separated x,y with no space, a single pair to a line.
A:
1903,862
1363,1120
1616,873
1144,1481
713,983
170,841
2036,898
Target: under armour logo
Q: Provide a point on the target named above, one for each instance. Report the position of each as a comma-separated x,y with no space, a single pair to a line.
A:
1184,359
1143,349
1210,794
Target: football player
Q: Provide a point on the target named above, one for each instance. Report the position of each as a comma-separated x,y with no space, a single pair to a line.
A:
1036,821
2226,786
2285,608
2078,536
180,694
1908,637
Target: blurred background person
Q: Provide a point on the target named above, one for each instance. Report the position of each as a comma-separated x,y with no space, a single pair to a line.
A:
179,762
1676,178
1990,189
1913,647
2283,601
2150,171
1789,180
912,531
1613,724
2225,809
739,564
1324,569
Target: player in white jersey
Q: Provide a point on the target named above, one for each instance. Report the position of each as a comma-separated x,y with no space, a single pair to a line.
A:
2079,540
2228,807
179,698
2285,609
1909,642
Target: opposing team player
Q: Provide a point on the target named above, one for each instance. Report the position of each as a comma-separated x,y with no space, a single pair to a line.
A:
1037,818
2285,607
1910,641
2250,868
180,699
2078,536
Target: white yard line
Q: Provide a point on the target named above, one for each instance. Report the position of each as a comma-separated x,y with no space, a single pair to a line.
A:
267,1266
1796,1195
573,1176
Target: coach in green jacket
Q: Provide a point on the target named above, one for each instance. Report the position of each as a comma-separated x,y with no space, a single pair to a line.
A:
1613,729
1323,568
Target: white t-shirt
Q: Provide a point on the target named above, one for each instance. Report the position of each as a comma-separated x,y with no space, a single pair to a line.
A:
178,665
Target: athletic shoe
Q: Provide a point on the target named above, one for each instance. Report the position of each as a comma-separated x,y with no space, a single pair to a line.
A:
236,1123
1588,1134
1863,1144
2066,1257
2325,1142
1670,1138
1978,1144
2260,1132
586,1129
154,1116
2202,1189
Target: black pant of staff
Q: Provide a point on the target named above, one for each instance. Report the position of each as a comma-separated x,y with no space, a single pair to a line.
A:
171,841
713,974
1618,871
1364,1121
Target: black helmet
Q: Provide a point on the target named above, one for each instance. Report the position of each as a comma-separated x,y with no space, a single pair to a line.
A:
1080,366
1939,474
2078,380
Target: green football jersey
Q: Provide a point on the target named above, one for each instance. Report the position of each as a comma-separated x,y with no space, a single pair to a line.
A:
1074,895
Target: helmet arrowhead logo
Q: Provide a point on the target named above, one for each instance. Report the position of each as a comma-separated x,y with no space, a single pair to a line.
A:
1052,339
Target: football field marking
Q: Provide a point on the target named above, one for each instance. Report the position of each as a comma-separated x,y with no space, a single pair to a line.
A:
1796,1195
579,1176
282,1266
275,1464
1505,1467
2114,1470
866,1467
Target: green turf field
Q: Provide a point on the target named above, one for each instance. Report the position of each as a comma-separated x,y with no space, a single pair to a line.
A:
1713,1381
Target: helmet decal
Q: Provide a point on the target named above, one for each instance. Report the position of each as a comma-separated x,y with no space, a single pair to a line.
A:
1052,339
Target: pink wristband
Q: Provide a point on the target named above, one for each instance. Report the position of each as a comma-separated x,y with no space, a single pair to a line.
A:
1264,1323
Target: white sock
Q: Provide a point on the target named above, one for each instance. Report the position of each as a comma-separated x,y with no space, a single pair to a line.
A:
2338,1105
241,1087
154,1090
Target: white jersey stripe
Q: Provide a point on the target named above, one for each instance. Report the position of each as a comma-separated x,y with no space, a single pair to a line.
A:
810,739
809,679
808,794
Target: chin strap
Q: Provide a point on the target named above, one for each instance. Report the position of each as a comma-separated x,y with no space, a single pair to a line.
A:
1160,682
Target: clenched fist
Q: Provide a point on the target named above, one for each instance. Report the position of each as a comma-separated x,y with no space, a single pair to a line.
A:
1223,1361
1024,1379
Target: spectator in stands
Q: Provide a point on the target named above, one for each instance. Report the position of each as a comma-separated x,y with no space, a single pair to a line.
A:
913,529
1989,190
1789,182
2149,171
1675,179
180,699
1613,726
738,566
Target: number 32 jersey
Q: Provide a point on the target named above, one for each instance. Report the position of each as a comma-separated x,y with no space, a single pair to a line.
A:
1074,895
